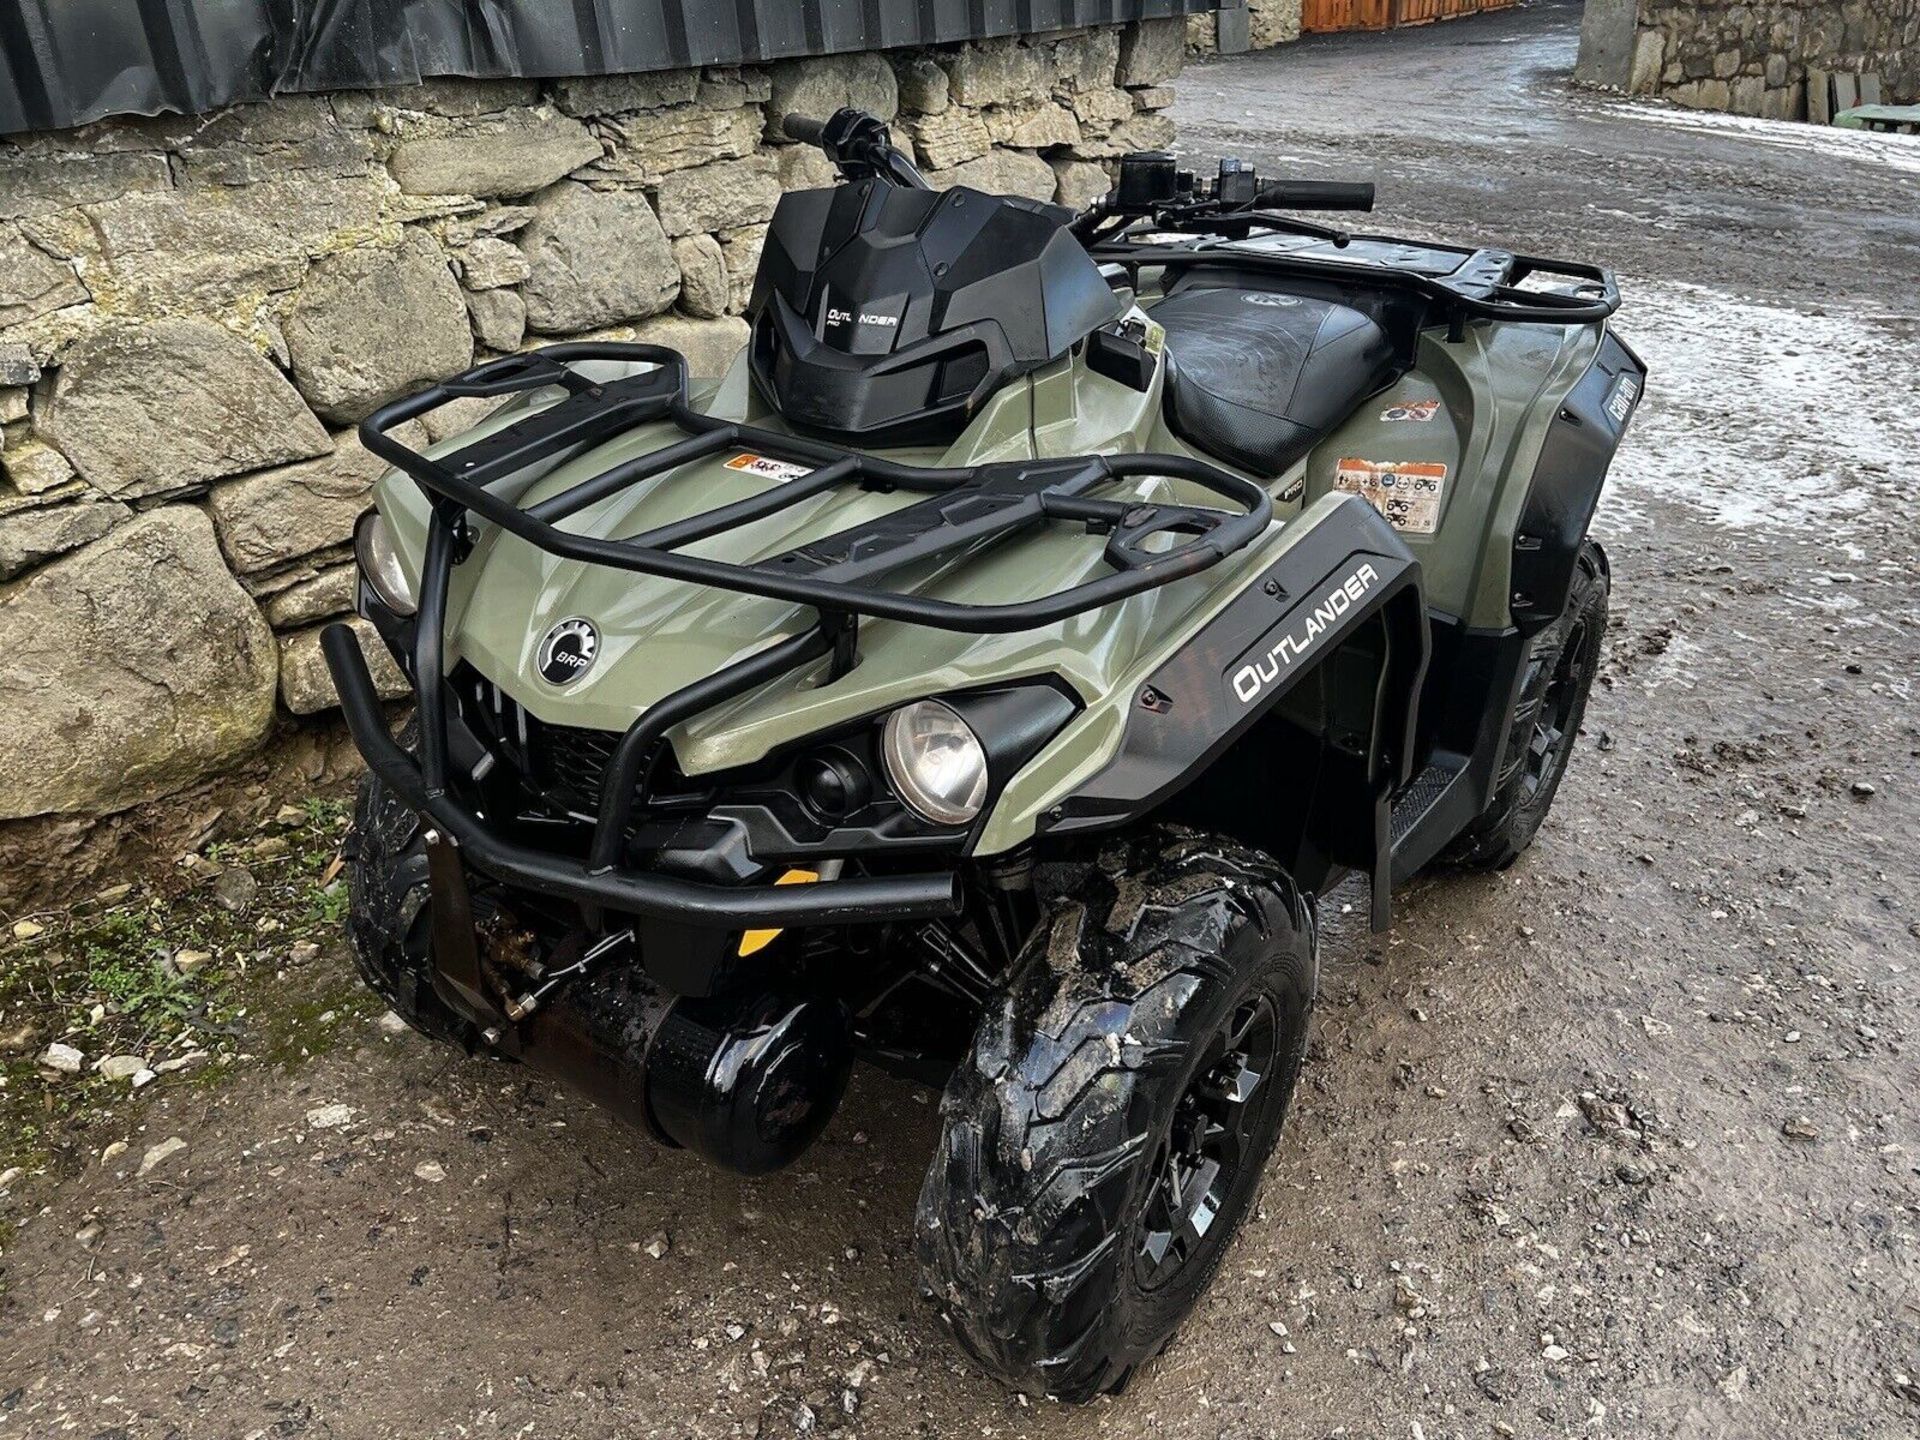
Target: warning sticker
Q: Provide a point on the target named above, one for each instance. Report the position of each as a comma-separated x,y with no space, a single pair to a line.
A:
779,470
1407,492
1421,412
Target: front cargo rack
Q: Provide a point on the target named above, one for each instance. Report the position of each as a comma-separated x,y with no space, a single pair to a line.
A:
841,576
966,506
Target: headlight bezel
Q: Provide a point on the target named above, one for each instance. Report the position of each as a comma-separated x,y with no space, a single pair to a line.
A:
380,567
954,800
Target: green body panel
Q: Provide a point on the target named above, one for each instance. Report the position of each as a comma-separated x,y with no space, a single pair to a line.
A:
657,635
1498,390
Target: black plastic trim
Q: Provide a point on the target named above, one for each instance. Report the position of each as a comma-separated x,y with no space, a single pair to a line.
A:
871,297
1192,710
1468,702
1566,483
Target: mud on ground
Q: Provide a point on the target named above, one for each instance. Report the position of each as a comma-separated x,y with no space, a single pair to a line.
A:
1622,1142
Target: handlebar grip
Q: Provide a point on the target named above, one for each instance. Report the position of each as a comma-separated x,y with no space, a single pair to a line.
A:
1317,195
807,132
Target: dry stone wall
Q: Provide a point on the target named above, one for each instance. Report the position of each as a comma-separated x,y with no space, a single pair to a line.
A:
1268,23
1749,57
195,311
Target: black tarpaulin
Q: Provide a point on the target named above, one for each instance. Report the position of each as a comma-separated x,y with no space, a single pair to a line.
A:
65,62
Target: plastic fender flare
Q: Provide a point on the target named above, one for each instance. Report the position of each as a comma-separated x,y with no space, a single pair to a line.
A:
1565,487
1243,662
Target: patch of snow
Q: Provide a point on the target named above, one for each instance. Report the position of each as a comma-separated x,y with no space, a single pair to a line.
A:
1762,417
1865,147
1677,665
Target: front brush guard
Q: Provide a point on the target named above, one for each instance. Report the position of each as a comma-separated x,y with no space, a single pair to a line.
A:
660,897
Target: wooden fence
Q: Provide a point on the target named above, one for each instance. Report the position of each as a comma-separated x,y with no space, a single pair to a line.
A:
1321,16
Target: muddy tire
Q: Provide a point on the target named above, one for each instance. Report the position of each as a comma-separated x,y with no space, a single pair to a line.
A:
389,914
1106,1133
1546,720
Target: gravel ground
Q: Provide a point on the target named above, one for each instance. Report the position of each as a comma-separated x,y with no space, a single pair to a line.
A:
1619,1143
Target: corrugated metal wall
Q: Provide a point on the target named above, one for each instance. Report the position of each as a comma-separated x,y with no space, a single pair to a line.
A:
64,62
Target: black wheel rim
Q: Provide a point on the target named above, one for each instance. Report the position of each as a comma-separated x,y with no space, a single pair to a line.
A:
1216,1125
1547,748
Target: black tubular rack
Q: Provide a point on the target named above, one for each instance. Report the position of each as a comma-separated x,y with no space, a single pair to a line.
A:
841,576
1487,285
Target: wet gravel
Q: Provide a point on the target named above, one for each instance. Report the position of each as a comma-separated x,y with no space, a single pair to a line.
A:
1619,1143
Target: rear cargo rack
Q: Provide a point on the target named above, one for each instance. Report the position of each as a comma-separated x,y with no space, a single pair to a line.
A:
1487,285
842,576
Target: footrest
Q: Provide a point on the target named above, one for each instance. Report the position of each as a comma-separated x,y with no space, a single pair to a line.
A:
1421,796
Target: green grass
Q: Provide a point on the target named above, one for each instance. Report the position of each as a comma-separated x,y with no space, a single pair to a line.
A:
328,907
150,993
326,814
102,978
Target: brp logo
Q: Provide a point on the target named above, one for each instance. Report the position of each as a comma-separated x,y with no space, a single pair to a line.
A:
568,651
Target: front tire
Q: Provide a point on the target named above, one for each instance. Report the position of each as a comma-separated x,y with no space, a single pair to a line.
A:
1106,1134
390,912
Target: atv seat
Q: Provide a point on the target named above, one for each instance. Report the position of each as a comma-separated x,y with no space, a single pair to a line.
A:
1259,376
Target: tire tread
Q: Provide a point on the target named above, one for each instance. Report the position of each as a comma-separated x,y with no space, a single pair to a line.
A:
1508,825
1006,1242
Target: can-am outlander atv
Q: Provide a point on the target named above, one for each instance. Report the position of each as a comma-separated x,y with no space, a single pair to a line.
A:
982,680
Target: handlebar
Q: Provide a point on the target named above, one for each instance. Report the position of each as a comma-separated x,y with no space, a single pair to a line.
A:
859,144
1316,195
807,132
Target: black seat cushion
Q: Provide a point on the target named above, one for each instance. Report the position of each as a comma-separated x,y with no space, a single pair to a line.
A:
1260,376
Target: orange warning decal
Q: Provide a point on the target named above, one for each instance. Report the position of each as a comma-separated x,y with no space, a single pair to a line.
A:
780,470
1408,492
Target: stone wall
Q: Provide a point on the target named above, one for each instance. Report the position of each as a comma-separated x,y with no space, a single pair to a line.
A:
1750,57
195,311
1268,23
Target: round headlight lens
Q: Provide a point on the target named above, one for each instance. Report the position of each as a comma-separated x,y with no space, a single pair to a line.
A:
935,762
380,564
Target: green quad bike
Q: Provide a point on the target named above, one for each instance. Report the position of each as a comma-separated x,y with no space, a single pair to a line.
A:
982,679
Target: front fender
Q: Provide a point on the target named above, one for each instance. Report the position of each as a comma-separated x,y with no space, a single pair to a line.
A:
1245,661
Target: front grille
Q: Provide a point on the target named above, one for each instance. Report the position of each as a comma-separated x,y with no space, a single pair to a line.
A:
577,759
562,765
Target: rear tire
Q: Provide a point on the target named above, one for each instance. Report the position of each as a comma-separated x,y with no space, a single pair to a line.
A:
1546,720
390,912
1081,1198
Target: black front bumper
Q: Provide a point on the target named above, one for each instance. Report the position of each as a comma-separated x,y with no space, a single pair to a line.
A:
860,899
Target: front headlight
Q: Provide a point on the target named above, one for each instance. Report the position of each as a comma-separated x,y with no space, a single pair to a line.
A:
380,564
936,762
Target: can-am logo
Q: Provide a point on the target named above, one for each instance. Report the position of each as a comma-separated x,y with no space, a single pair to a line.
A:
1298,640
568,651
1620,399
1268,298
